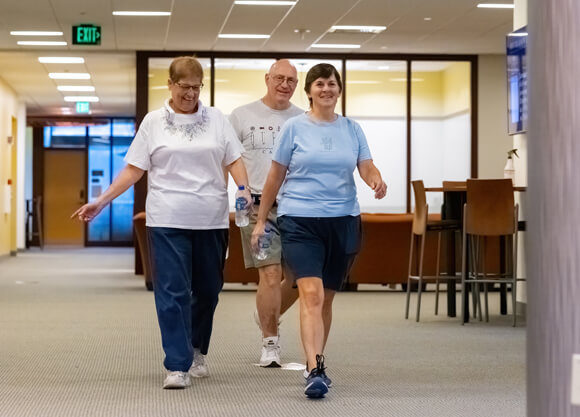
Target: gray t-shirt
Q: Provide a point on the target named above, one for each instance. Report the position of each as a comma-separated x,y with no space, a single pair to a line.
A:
257,127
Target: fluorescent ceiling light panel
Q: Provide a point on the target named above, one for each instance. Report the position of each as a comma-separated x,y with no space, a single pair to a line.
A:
81,98
518,34
137,13
335,45
61,60
34,33
41,43
85,88
495,6
354,28
242,36
70,75
264,3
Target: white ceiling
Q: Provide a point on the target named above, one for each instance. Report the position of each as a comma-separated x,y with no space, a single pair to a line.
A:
456,27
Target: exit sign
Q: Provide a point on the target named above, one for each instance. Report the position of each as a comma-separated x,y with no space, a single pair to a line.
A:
83,107
86,35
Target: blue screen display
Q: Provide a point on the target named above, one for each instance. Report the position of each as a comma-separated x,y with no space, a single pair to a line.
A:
517,80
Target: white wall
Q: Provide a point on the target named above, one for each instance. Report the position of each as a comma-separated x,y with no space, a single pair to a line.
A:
21,175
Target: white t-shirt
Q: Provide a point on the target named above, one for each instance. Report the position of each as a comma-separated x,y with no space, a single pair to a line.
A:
186,156
257,126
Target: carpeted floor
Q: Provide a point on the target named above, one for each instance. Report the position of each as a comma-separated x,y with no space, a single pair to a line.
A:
79,337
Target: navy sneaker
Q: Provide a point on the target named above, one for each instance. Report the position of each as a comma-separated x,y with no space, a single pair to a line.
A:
325,377
315,385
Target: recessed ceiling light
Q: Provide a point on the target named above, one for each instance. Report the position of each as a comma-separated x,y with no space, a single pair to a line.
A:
34,33
137,13
89,88
81,98
495,6
355,28
427,19
69,75
61,60
41,43
264,3
335,45
242,36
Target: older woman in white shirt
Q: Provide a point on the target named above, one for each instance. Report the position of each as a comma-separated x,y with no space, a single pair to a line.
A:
187,149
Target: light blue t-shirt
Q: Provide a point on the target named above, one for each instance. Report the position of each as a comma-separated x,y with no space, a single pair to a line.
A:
321,158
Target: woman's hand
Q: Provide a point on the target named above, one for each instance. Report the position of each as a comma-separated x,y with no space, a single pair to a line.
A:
371,175
257,233
87,212
380,189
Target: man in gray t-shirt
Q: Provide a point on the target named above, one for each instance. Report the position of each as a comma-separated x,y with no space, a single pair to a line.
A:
257,124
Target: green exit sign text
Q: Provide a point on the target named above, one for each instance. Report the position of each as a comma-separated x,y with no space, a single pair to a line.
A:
86,35
83,107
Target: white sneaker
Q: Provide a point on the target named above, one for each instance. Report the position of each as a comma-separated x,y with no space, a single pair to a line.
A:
199,367
270,353
176,380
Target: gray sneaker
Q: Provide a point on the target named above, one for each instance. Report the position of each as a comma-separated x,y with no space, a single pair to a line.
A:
198,367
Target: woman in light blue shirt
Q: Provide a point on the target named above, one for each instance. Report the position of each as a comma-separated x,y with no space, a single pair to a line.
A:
318,211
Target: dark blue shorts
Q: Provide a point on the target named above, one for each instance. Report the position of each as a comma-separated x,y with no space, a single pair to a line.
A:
323,247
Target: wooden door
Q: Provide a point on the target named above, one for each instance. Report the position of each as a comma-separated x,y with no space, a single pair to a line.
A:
64,192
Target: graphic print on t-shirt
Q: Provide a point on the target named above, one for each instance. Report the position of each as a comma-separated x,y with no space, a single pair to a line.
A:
326,143
262,138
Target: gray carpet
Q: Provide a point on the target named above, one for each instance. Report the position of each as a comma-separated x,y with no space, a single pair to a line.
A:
79,337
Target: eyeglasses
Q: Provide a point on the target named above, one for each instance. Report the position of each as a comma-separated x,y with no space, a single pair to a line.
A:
279,79
185,87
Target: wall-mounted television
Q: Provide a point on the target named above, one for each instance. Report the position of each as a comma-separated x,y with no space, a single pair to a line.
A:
517,81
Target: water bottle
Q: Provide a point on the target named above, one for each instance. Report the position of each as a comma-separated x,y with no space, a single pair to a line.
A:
242,208
264,243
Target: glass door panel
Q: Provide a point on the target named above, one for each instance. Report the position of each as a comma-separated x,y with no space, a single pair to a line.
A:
440,124
376,99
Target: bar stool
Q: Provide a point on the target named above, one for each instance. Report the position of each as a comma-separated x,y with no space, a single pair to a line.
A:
421,225
489,211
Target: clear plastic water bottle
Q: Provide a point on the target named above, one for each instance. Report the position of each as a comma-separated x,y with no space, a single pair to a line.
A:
264,243
242,208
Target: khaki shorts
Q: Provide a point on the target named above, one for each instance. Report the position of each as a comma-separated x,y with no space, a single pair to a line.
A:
275,253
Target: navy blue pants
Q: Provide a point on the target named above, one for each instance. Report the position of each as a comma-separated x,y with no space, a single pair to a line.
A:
187,268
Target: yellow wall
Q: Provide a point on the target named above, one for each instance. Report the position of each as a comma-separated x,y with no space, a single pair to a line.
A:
370,93
376,94
456,88
8,111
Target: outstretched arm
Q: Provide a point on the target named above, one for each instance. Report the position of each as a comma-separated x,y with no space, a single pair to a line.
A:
371,175
126,178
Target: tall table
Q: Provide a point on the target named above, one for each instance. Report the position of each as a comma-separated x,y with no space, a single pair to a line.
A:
454,199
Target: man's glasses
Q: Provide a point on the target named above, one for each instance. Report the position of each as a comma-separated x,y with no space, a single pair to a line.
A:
185,87
279,79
